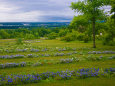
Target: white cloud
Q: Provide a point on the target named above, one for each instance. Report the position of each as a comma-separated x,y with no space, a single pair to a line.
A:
6,8
11,13
35,10
22,17
63,13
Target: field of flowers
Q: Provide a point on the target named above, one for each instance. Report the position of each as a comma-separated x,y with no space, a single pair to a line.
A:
56,63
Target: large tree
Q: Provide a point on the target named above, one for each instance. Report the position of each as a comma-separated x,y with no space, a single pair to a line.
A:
113,9
90,8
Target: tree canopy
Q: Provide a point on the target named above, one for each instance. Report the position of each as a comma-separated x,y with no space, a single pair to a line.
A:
113,9
90,8
80,23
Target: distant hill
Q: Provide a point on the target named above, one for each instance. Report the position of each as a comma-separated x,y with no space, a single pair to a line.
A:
16,25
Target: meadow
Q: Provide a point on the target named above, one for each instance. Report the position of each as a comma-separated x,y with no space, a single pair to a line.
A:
42,62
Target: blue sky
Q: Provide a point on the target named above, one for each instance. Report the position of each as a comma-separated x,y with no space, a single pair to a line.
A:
37,10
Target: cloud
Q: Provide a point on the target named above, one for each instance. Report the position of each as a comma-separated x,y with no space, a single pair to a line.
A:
56,18
36,10
33,16
7,8
11,13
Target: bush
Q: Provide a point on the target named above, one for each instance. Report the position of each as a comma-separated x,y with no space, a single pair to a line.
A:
63,32
0,37
86,39
30,55
67,38
75,35
29,36
19,41
80,36
70,36
52,35
107,40
98,37
111,43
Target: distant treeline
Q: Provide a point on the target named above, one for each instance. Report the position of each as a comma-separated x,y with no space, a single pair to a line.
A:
30,25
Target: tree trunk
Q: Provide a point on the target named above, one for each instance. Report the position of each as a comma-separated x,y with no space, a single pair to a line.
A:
94,46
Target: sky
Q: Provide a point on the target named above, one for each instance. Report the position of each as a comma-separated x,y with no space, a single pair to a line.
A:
37,10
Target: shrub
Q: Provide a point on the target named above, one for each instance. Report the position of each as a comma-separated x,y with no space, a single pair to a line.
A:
107,40
80,36
0,37
70,36
30,55
52,35
29,36
91,58
37,64
75,35
86,39
63,32
67,38
111,43
99,37
19,41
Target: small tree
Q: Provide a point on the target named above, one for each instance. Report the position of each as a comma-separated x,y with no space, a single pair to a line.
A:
19,41
90,8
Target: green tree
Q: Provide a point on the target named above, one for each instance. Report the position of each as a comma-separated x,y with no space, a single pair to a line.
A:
63,32
29,36
113,9
80,23
111,28
4,34
90,8
42,32
52,35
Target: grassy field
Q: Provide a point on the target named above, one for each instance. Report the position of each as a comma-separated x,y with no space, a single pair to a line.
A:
51,63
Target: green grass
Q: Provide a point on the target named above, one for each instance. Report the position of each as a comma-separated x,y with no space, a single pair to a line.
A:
56,44
59,67
77,82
